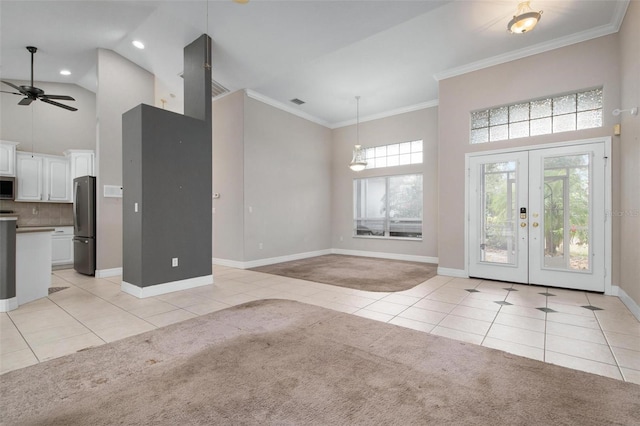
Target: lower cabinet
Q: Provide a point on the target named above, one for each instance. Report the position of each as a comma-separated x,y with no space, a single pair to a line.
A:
62,246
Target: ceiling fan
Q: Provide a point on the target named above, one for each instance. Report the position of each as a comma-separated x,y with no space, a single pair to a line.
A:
32,93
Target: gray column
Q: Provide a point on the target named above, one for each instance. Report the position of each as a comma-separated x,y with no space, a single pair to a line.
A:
7,257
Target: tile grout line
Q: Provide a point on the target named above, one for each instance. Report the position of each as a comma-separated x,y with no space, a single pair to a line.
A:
546,319
23,338
105,300
615,358
496,315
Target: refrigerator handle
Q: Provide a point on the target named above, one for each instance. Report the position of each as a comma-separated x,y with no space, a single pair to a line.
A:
75,204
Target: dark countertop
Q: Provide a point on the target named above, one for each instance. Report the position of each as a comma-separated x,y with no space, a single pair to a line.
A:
26,229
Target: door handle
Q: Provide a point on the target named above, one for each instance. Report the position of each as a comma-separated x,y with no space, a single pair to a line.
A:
535,224
523,224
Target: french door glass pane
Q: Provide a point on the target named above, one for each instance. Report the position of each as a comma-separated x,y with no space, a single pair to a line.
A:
567,212
498,198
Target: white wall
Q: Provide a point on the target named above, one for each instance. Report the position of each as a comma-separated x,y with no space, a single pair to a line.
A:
51,129
580,66
273,172
630,154
228,177
287,183
422,124
122,85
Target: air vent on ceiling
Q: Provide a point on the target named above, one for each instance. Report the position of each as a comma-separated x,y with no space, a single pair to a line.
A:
217,89
297,101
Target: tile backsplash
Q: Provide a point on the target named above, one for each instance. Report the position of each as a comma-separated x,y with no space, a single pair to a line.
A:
40,214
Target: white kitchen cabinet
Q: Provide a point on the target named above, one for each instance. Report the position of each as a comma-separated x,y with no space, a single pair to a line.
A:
57,179
42,178
8,158
62,245
81,162
29,177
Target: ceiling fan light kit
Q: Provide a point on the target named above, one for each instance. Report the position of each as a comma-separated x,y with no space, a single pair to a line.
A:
32,93
524,20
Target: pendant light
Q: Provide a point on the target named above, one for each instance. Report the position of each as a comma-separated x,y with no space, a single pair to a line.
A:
524,20
358,162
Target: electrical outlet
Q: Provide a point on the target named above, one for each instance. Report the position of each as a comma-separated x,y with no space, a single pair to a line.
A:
174,262
260,246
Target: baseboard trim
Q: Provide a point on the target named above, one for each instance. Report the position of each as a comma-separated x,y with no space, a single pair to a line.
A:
226,262
268,261
104,273
158,289
392,256
628,301
7,305
450,272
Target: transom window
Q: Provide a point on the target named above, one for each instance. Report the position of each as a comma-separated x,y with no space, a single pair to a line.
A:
576,111
396,154
388,207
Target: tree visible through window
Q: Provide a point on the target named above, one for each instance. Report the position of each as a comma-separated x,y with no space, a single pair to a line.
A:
388,206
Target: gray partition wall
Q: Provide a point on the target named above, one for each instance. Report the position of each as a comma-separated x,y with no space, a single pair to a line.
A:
167,187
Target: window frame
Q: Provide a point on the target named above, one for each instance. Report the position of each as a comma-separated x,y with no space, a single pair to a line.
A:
387,219
500,126
372,157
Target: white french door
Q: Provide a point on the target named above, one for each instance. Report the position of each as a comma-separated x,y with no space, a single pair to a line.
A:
538,216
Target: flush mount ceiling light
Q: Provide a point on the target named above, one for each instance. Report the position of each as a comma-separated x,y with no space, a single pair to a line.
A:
524,20
358,162
65,72
138,44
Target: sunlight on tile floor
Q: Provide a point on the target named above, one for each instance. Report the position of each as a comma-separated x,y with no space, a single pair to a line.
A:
575,329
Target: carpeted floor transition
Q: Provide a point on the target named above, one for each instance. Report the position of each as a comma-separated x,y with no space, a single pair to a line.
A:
361,273
285,362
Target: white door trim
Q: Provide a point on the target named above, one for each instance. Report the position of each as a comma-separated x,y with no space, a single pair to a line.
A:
607,195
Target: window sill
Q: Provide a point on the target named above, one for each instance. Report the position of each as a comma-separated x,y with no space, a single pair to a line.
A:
374,237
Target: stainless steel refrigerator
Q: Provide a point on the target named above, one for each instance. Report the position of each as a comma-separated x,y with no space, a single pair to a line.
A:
84,225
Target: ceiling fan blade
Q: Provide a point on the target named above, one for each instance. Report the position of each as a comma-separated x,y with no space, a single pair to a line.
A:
60,97
58,104
25,101
14,86
13,93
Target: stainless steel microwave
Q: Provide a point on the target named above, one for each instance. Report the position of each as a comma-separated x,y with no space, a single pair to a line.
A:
7,188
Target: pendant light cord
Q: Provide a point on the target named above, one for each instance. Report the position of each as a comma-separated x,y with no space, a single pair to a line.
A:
358,119
207,65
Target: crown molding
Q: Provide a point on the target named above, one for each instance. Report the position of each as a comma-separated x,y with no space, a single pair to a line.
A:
385,114
600,31
619,12
279,105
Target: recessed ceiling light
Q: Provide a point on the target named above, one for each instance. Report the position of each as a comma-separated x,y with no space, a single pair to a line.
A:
138,44
65,72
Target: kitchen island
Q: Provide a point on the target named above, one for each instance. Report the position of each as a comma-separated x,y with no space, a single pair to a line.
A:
33,263
32,254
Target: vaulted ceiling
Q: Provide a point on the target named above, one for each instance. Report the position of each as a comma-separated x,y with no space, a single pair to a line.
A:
390,53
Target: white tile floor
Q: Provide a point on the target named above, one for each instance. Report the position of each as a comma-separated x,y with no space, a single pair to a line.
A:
92,312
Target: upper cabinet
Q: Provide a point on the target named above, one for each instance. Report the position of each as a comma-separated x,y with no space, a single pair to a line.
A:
81,161
8,158
43,178
30,177
58,176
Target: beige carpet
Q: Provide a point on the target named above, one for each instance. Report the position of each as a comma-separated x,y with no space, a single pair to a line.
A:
361,273
288,363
